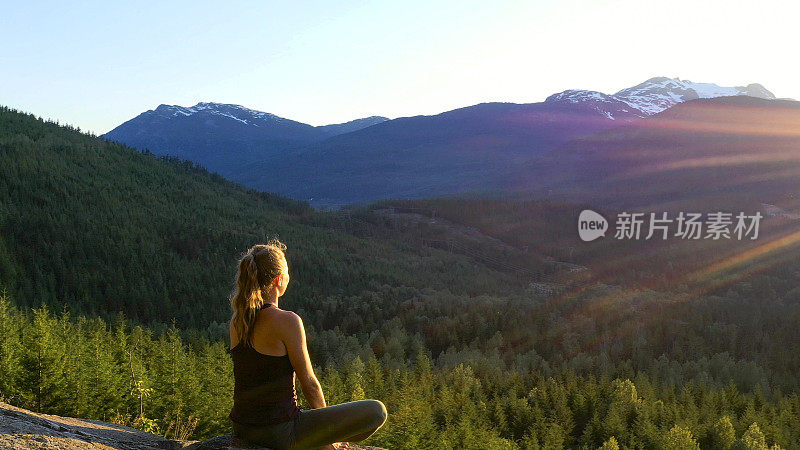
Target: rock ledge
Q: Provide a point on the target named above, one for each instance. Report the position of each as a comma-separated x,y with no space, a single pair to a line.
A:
23,429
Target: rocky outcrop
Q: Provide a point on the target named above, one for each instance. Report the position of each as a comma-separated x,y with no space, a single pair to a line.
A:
23,429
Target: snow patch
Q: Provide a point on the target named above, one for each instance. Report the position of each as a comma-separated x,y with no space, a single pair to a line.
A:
656,95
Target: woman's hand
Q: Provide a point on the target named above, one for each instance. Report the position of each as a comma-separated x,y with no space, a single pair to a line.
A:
337,446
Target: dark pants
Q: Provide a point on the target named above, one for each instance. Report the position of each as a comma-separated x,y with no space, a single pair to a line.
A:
314,428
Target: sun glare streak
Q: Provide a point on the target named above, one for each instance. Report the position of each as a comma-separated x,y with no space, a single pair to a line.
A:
700,282
788,156
771,138
735,121
749,255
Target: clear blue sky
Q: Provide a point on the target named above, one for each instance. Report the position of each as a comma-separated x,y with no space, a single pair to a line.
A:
96,64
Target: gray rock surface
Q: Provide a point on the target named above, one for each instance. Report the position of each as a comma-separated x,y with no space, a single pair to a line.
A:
23,429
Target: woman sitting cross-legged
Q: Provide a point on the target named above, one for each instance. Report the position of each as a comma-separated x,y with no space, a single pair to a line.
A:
268,348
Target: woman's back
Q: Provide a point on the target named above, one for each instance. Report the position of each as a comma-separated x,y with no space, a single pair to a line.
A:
264,384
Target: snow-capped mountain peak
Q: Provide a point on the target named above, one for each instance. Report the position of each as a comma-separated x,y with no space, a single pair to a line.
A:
658,94
654,95
253,117
236,112
578,95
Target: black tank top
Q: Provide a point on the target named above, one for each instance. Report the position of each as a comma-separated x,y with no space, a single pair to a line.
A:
264,391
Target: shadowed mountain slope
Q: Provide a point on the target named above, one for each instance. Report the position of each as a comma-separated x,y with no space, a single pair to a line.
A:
720,151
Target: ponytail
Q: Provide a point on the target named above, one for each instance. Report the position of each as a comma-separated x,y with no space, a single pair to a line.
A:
257,270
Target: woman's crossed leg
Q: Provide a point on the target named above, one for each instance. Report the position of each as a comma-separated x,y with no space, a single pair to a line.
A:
345,422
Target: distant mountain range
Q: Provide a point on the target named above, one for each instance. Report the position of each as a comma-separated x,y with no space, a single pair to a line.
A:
478,148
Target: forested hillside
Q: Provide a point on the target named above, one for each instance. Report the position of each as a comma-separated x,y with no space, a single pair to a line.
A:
459,345
99,227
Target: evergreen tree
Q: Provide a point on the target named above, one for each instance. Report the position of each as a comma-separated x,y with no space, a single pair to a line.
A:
753,439
43,380
723,435
680,438
10,350
610,444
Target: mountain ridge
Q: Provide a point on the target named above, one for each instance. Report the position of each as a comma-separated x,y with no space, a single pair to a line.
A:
226,109
223,137
468,149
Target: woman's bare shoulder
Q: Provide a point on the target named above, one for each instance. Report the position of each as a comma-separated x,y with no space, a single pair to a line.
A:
285,323
282,318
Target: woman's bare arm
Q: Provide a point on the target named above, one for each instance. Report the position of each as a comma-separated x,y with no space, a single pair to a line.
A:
294,336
